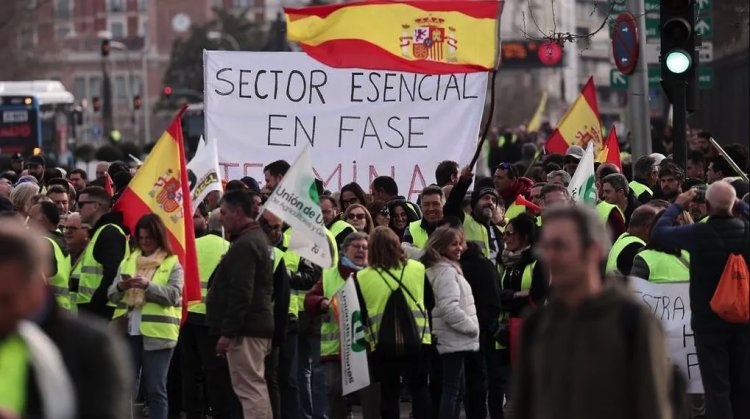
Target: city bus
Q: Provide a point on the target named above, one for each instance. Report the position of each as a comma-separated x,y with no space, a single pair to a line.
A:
37,118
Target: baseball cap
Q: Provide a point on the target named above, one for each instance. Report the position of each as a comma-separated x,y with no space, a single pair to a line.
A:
38,160
575,152
251,184
16,157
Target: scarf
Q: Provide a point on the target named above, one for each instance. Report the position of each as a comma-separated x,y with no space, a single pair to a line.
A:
511,259
145,267
349,264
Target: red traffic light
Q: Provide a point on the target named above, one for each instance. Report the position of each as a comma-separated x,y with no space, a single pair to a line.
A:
105,48
96,103
137,102
167,91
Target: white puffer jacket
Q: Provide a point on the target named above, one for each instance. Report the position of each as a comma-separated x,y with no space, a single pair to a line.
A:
454,318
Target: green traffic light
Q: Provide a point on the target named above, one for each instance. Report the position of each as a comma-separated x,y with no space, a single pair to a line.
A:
678,61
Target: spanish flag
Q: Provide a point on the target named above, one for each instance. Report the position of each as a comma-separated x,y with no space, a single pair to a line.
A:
611,151
435,37
580,124
161,187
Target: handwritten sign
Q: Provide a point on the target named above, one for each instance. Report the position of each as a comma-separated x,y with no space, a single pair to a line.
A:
359,124
670,303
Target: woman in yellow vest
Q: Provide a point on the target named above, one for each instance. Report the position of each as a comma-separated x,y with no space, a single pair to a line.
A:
359,217
454,318
659,263
148,294
376,282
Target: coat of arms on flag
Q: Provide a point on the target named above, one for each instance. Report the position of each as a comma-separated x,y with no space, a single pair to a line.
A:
429,40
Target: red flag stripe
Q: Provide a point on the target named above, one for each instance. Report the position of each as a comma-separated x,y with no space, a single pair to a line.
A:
476,9
556,143
589,93
357,53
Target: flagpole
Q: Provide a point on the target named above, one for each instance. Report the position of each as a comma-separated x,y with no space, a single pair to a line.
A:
488,123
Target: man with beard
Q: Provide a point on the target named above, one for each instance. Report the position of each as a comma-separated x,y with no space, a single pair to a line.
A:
432,201
477,225
671,177
35,165
332,218
509,186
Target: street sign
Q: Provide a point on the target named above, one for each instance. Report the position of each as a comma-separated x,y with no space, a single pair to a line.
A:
652,8
704,26
703,6
625,45
705,77
652,29
617,80
96,131
706,52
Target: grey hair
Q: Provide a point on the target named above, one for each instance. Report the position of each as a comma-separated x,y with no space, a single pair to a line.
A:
214,220
565,176
721,196
591,228
618,181
352,237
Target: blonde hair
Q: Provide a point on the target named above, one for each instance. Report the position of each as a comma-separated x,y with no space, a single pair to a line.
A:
22,195
438,242
384,249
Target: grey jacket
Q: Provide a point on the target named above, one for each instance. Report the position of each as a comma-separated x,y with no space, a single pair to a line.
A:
454,318
169,295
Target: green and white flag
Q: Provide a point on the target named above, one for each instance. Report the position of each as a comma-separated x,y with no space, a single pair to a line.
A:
295,200
203,172
355,372
582,186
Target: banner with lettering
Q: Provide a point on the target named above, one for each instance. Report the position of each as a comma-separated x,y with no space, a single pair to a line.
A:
266,106
355,373
670,303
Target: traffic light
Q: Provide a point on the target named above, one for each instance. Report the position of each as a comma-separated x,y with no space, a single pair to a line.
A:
167,91
678,55
105,48
137,102
96,103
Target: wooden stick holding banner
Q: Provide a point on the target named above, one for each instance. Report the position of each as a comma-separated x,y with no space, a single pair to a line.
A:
488,123
728,159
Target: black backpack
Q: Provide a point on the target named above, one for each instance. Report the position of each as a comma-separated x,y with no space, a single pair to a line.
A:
399,336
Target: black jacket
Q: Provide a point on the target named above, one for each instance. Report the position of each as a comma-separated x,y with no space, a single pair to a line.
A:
484,280
511,283
96,360
109,251
239,293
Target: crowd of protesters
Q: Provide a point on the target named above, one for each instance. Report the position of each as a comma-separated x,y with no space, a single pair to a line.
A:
520,296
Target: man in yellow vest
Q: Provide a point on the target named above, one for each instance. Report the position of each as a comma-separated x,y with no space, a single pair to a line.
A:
626,246
332,219
615,191
432,202
44,215
197,356
509,186
645,174
478,225
318,303
102,257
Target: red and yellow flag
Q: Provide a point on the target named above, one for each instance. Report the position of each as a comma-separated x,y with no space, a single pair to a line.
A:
161,187
611,151
436,37
579,125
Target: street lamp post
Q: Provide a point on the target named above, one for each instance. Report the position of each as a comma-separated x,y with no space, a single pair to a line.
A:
217,36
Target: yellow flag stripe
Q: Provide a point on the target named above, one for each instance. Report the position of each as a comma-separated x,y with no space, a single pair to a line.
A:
476,37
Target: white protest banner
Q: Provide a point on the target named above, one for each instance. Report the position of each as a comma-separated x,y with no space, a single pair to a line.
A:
266,106
670,303
355,373
582,187
295,200
203,172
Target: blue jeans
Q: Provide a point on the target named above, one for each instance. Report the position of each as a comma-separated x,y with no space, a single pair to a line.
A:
311,380
153,366
454,384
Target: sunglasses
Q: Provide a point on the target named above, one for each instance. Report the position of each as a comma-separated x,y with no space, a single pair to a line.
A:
353,216
385,213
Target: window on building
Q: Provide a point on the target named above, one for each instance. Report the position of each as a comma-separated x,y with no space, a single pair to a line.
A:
116,5
142,5
62,32
28,37
117,28
142,26
95,86
62,9
120,87
79,87
135,85
584,42
241,4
